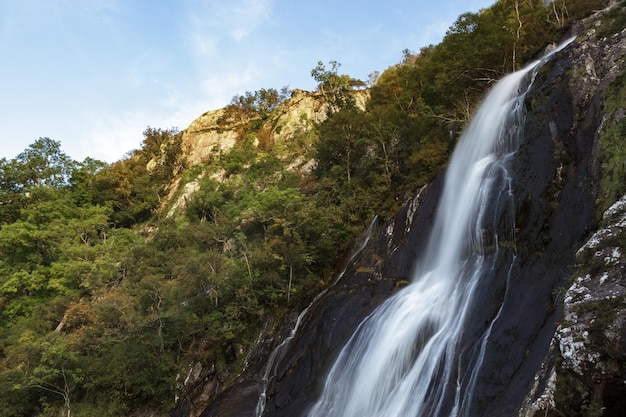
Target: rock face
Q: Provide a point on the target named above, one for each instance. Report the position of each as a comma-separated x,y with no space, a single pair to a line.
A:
204,136
286,129
584,373
209,134
537,362
592,335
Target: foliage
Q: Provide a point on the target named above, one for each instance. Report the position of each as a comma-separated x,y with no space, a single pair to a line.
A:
134,187
40,167
335,87
254,104
614,21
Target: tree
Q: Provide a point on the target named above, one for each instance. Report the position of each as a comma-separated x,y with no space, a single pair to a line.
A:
57,371
56,248
125,186
82,180
335,87
43,164
340,142
206,203
254,104
40,167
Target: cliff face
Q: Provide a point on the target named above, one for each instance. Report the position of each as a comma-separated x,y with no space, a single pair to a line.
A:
558,347
585,369
589,377
285,130
209,133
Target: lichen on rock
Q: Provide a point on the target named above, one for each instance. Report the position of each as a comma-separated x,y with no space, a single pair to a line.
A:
590,372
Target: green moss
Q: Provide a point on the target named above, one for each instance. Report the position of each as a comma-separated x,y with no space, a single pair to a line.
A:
613,21
613,145
604,315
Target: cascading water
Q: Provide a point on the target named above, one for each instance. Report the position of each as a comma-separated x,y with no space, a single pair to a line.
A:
419,354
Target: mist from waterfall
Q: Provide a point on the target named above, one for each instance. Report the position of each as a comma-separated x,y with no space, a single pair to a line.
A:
415,355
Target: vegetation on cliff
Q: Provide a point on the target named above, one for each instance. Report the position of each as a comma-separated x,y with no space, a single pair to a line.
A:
106,295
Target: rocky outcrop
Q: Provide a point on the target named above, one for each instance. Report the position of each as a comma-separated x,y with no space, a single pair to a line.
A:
584,372
591,374
210,134
285,130
205,136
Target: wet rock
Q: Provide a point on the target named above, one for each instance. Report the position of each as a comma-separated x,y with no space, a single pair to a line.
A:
590,371
584,373
382,267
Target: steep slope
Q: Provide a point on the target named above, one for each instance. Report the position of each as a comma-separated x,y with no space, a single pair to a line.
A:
287,131
585,370
214,132
557,177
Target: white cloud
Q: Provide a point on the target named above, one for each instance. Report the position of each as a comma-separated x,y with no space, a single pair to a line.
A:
109,137
236,19
226,47
214,23
246,15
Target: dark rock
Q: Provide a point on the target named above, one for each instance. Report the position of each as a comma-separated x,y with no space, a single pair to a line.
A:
239,400
587,370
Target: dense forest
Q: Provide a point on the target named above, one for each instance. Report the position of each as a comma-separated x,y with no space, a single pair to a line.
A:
106,298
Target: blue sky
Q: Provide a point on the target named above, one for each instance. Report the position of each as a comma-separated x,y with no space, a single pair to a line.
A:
94,74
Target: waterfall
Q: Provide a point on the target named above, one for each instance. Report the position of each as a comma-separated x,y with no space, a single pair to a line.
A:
420,353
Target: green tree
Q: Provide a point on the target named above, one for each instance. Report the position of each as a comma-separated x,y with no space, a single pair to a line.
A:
336,88
341,142
82,180
207,202
43,164
57,372
250,105
57,248
134,187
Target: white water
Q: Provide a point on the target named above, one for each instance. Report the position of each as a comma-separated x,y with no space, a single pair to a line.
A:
413,356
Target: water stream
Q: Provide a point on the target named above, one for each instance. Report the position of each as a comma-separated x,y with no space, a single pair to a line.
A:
415,355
